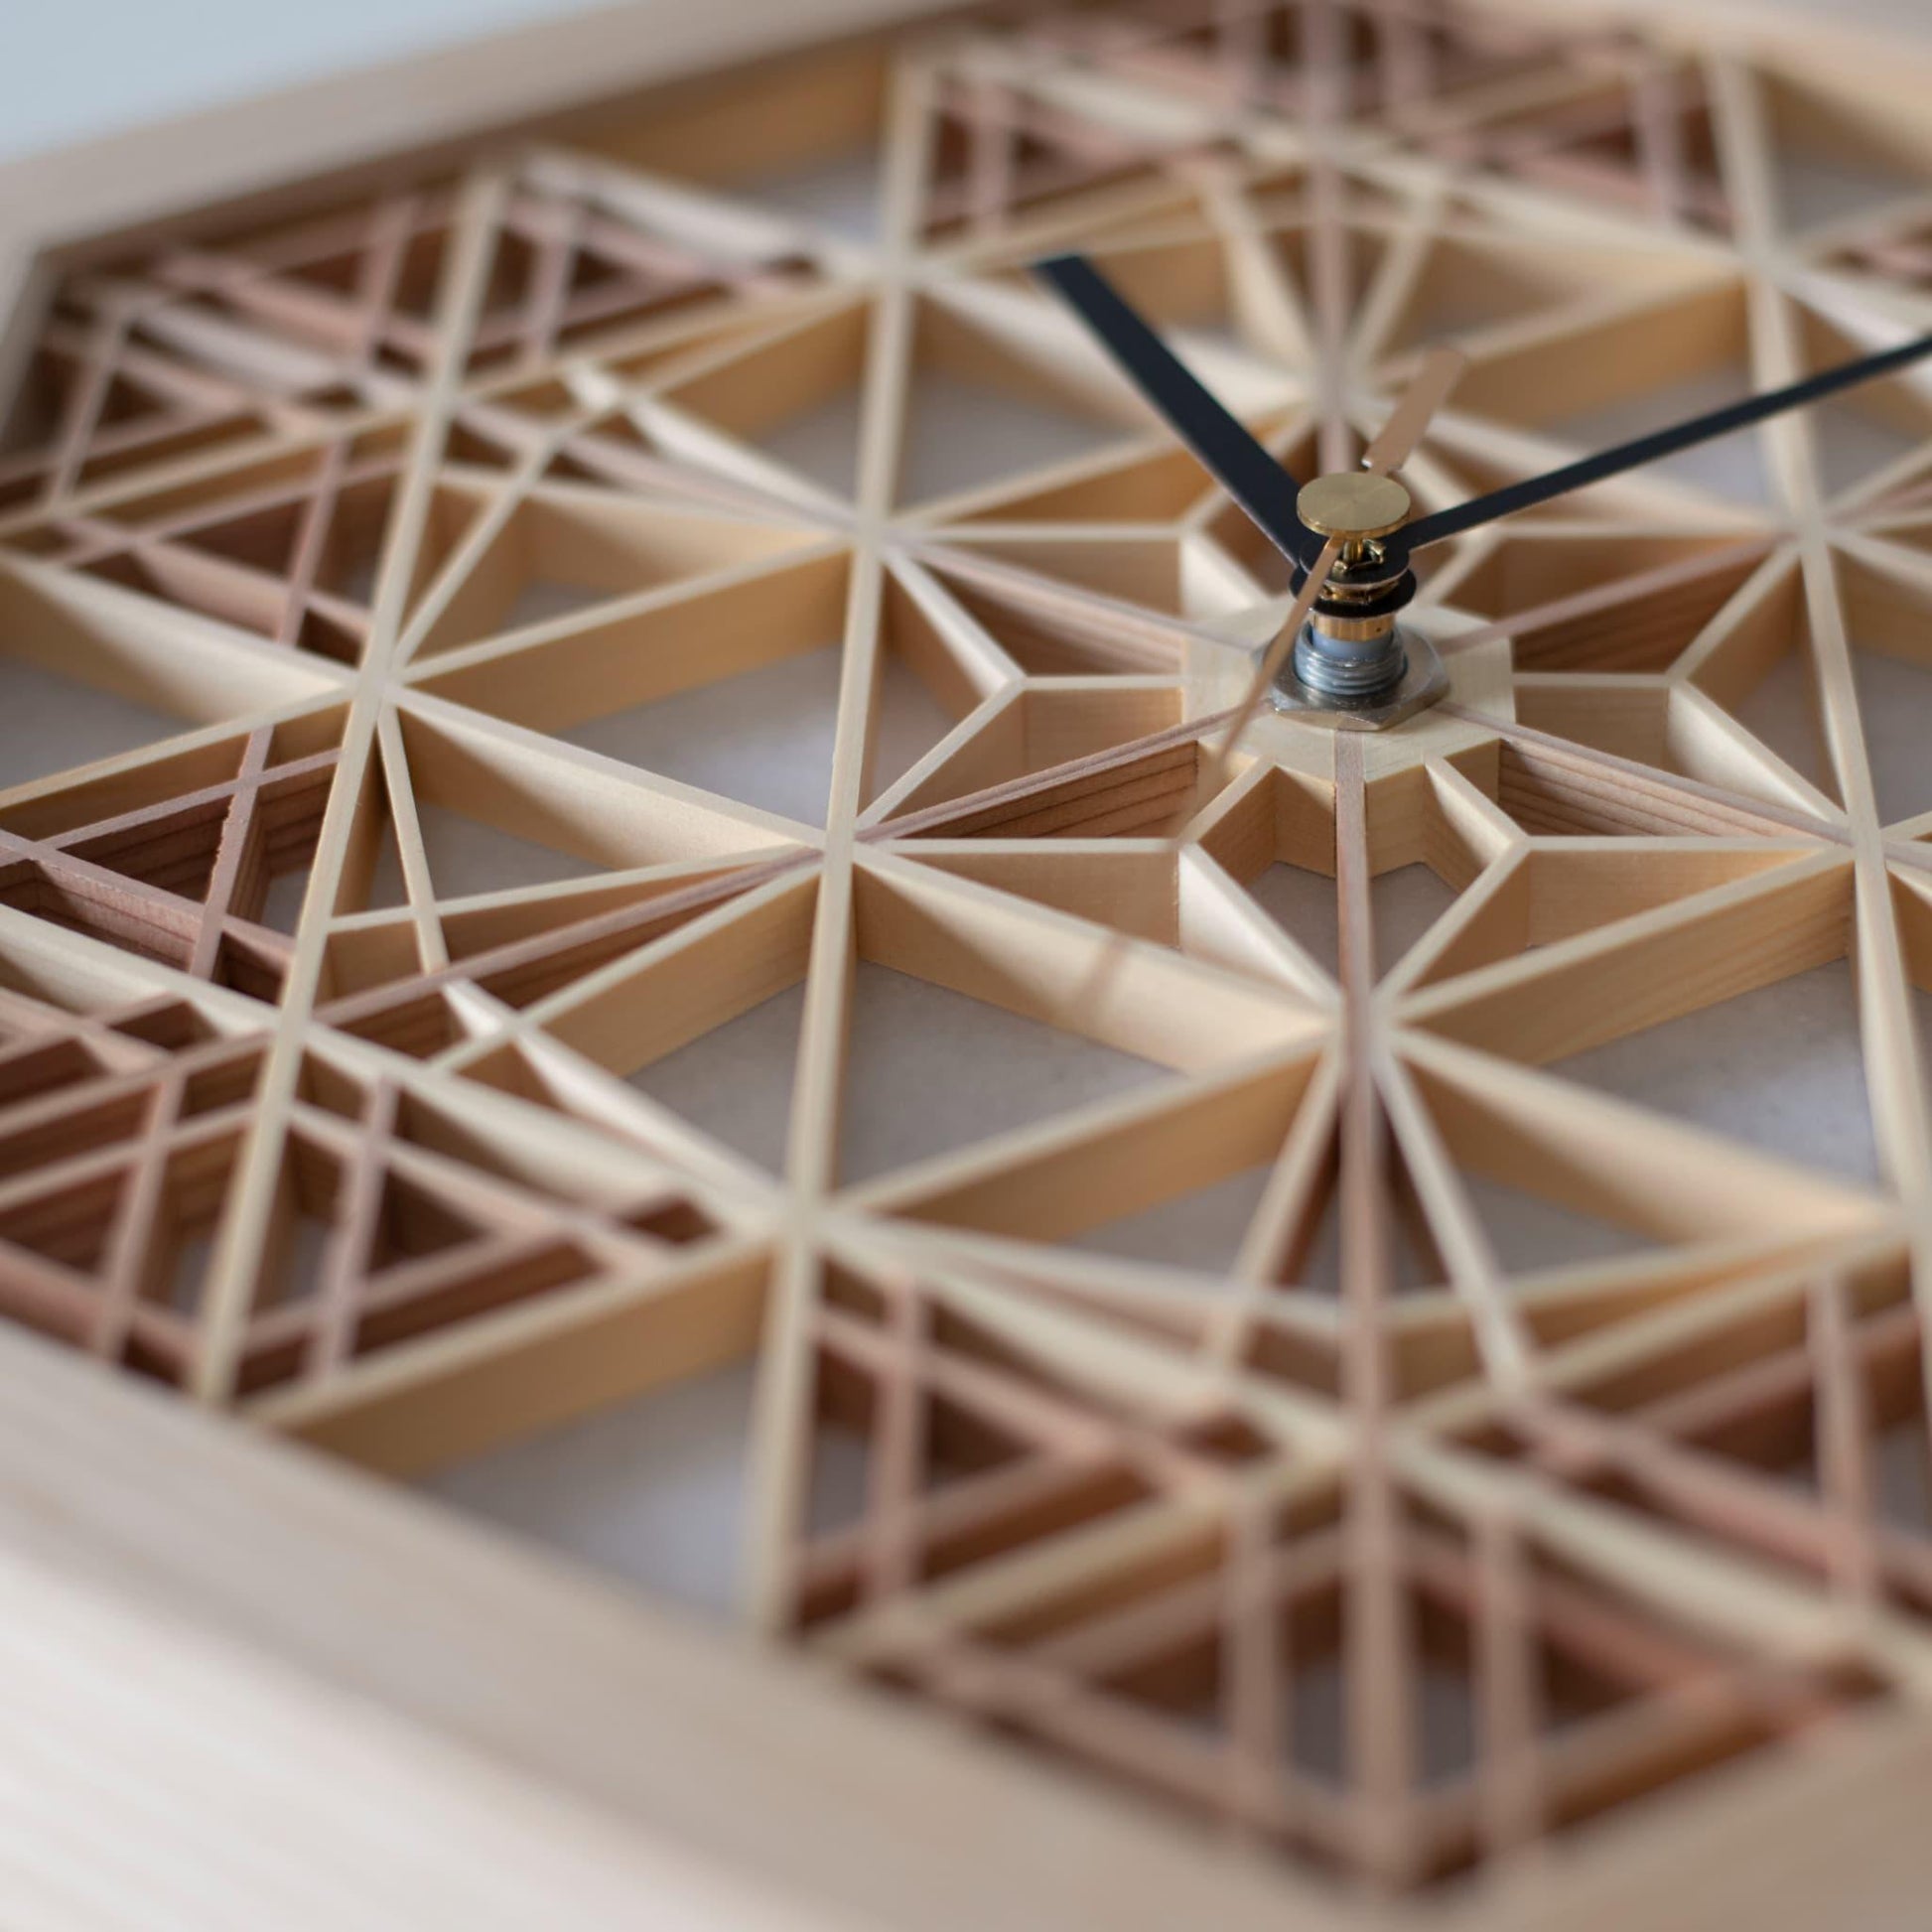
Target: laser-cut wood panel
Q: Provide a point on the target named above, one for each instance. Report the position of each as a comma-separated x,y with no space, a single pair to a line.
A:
1478,1443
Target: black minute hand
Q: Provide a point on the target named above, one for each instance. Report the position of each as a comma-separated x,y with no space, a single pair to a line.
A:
1652,449
1244,468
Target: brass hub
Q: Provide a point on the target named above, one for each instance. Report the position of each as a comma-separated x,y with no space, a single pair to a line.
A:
1350,664
1354,506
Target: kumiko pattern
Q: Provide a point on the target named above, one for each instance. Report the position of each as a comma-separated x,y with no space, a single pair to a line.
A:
1319,1375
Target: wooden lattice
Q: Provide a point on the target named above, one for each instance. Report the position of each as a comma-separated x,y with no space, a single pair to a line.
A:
1345,1522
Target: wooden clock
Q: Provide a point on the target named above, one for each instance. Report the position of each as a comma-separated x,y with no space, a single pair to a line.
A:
651,882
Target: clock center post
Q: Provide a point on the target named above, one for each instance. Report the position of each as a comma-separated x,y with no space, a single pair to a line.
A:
1353,666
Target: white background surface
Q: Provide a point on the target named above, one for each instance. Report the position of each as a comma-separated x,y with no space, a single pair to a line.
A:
70,69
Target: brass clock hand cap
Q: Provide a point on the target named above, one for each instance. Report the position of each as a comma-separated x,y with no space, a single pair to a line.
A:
1353,506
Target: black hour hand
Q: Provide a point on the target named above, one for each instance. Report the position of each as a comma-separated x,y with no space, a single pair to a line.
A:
1244,468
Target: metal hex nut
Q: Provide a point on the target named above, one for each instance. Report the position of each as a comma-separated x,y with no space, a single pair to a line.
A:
1423,683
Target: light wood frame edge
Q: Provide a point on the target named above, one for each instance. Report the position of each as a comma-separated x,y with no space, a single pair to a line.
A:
482,1736
451,1732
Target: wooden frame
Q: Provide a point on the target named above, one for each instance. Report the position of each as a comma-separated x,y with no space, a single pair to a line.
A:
307,532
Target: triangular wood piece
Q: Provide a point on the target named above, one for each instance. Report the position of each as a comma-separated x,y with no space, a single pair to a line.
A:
1036,735
1174,1182
1790,1420
1005,388
937,1441
396,1218
1554,893
124,1127
1671,1183
1000,152
565,550
1482,282
1456,1681
215,341
291,551
1602,602
584,251
184,874
1017,593
1641,141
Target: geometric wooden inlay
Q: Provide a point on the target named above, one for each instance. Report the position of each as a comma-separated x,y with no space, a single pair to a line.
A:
604,797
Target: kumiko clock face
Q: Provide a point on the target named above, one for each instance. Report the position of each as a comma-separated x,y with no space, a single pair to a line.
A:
613,899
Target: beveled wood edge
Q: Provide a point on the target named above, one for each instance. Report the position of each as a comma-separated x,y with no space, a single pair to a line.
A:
190,1582
413,105
417,101
196,1617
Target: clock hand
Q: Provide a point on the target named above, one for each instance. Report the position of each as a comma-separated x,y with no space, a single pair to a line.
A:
1243,467
1429,388
1397,442
1515,497
1350,660
1399,437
